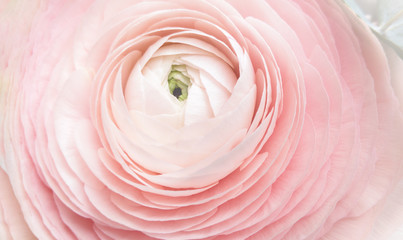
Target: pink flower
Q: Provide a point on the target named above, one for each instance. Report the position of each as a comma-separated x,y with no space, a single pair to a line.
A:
195,120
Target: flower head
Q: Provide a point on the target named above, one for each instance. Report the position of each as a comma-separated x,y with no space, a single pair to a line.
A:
205,119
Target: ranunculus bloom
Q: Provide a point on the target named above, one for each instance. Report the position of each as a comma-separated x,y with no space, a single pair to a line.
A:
258,119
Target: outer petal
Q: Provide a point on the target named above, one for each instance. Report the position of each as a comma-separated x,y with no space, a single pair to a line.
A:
396,71
12,222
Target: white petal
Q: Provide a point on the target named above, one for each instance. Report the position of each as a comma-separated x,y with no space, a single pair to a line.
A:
197,106
385,17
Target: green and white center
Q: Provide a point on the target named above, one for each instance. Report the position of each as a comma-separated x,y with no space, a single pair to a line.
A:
179,82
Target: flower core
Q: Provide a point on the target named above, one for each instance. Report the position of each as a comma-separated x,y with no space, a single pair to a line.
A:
179,82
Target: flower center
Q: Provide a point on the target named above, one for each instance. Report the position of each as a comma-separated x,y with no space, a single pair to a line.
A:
179,82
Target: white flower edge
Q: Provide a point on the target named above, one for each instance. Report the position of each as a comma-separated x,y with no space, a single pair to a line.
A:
384,17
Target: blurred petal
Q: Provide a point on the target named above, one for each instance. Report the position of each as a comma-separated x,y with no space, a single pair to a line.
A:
12,222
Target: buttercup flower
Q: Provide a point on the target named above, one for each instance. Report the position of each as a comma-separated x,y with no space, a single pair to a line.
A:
205,119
